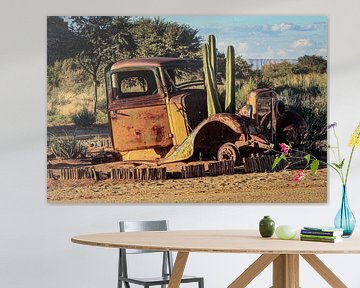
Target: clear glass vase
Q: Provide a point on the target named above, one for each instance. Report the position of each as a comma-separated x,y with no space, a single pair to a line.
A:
345,219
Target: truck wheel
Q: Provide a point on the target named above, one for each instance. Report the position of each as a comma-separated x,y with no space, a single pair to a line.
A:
229,151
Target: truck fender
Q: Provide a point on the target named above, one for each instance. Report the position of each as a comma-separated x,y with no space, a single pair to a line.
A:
186,149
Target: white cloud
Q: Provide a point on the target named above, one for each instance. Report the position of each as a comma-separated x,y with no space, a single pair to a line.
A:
281,27
300,43
240,47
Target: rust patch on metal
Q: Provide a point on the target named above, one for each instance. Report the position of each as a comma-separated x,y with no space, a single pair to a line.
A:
140,128
144,101
206,135
152,62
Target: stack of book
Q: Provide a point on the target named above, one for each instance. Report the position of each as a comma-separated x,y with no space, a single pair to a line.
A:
321,234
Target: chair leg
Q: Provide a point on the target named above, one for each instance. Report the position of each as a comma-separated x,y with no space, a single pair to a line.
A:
165,266
201,283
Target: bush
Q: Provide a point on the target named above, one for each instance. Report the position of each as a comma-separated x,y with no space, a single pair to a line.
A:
84,118
307,95
314,138
310,64
67,147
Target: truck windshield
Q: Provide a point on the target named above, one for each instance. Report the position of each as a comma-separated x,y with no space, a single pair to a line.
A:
187,77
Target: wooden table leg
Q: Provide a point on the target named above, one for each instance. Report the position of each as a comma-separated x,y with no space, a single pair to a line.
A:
324,271
286,271
253,270
178,270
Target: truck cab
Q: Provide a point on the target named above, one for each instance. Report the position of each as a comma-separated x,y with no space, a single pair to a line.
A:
153,105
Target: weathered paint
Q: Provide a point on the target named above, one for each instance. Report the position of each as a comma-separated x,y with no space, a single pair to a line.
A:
141,155
187,148
138,102
252,99
276,128
187,111
151,62
145,122
140,128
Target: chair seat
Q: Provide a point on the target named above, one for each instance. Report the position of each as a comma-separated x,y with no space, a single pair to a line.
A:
158,280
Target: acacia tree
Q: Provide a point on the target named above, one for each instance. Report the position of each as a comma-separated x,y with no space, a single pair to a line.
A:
310,64
59,40
157,37
101,40
276,70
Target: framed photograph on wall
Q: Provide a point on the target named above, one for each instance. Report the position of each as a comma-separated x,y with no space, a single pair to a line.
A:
186,109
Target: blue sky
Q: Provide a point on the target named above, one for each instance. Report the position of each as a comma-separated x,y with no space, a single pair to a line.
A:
274,37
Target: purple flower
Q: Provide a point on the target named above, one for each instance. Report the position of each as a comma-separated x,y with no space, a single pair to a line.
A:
332,125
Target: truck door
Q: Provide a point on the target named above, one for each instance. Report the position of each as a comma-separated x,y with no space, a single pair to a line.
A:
137,111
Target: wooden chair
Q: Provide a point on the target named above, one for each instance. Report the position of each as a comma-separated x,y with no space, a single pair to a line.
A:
167,262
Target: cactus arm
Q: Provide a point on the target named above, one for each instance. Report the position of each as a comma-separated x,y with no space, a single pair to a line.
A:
213,104
212,54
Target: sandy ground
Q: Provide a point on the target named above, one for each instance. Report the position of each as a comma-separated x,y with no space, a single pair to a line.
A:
277,187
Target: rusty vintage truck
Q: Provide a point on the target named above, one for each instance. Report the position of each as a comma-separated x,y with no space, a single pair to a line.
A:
157,112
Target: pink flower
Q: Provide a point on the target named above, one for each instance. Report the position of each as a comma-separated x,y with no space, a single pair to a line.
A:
284,148
299,175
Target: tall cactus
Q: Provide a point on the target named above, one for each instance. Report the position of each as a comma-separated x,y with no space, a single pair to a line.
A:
212,53
230,80
213,103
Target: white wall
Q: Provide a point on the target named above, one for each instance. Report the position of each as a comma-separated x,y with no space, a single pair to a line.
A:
35,248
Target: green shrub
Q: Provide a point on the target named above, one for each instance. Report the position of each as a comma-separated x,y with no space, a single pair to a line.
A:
84,118
307,95
67,147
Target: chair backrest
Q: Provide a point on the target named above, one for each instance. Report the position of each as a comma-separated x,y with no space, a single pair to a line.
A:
135,226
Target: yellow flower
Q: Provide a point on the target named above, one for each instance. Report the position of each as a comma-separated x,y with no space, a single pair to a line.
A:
355,138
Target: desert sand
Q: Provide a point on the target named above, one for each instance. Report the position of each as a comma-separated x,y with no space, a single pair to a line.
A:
276,187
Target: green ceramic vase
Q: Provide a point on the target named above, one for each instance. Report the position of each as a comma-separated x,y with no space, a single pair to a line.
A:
266,227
